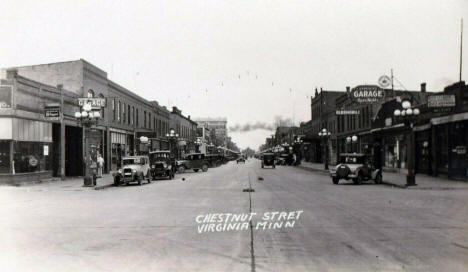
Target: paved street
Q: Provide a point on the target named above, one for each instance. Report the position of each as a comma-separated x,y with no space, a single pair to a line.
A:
62,226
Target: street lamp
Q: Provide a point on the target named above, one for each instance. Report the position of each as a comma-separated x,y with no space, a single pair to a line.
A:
351,140
87,118
172,136
325,135
408,114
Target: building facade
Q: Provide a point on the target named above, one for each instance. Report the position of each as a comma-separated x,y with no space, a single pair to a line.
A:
27,93
186,128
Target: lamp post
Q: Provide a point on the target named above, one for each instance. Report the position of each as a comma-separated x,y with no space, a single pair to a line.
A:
298,146
325,135
87,118
172,136
198,143
408,114
352,140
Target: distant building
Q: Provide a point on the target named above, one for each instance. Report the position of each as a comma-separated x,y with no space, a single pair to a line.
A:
187,130
218,129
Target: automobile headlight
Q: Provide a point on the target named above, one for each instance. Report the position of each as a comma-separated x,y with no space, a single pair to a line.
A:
120,171
133,171
152,166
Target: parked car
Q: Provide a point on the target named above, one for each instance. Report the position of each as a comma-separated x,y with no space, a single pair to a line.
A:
195,161
268,159
134,169
358,167
240,159
161,164
214,160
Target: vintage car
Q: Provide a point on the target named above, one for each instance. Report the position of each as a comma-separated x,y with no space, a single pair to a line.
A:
134,169
195,161
268,159
161,164
240,159
214,160
357,167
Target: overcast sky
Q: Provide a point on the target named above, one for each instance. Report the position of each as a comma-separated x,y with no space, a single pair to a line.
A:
248,61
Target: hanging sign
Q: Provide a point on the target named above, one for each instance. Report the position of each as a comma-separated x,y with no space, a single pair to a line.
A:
52,112
367,94
96,102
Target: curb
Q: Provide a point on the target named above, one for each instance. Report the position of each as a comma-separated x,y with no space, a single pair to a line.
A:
311,169
101,187
387,183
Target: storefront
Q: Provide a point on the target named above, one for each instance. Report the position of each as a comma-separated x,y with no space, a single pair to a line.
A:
118,149
450,151
25,148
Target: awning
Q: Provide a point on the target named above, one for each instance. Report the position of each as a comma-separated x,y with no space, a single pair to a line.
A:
449,118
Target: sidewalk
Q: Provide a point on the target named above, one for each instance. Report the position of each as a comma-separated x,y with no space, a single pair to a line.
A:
424,182
69,182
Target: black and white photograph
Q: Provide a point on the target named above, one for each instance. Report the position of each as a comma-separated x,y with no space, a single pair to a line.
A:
233,135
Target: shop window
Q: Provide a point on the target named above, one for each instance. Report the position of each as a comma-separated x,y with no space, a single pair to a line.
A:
31,157
4,157
90,93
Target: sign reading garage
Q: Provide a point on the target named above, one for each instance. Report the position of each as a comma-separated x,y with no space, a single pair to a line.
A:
367,94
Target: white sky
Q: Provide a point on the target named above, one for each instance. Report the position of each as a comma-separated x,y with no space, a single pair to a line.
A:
191,53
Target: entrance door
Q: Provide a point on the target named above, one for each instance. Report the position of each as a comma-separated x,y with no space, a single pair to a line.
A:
73,151
457,150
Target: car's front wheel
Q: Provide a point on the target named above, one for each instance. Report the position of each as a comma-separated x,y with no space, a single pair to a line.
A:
181,169
335,180
196,170
204,168
358,180
378,179
116,181
140,179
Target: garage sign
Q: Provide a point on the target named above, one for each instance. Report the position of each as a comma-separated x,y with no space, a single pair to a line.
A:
367,94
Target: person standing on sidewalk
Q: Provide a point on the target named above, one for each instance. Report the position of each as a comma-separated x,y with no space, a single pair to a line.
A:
100,164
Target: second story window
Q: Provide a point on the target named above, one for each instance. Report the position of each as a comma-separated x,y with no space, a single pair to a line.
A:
118,111
90,93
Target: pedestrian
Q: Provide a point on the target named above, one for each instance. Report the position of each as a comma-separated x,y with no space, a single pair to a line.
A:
100,164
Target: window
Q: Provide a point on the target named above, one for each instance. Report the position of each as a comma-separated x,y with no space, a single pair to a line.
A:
128,114
90,93
133,115
123,114
149,120
113,109
4,157
102,109
31,157
137,120
144,120
118,112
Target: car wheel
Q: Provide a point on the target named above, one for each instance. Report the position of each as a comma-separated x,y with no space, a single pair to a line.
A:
117,181
148,177
378,179
196,170
140,179
204,168
358,180
262,165
181,169
169,175
335,180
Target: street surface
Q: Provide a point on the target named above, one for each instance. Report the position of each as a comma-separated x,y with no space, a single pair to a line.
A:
65,227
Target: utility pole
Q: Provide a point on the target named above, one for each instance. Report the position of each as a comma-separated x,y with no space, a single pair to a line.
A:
391,72
461,48
62,134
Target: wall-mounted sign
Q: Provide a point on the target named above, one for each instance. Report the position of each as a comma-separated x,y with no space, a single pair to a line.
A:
388,121
441,101
5,97
348,112
384,81
52,112
367,94
95,102
46,150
